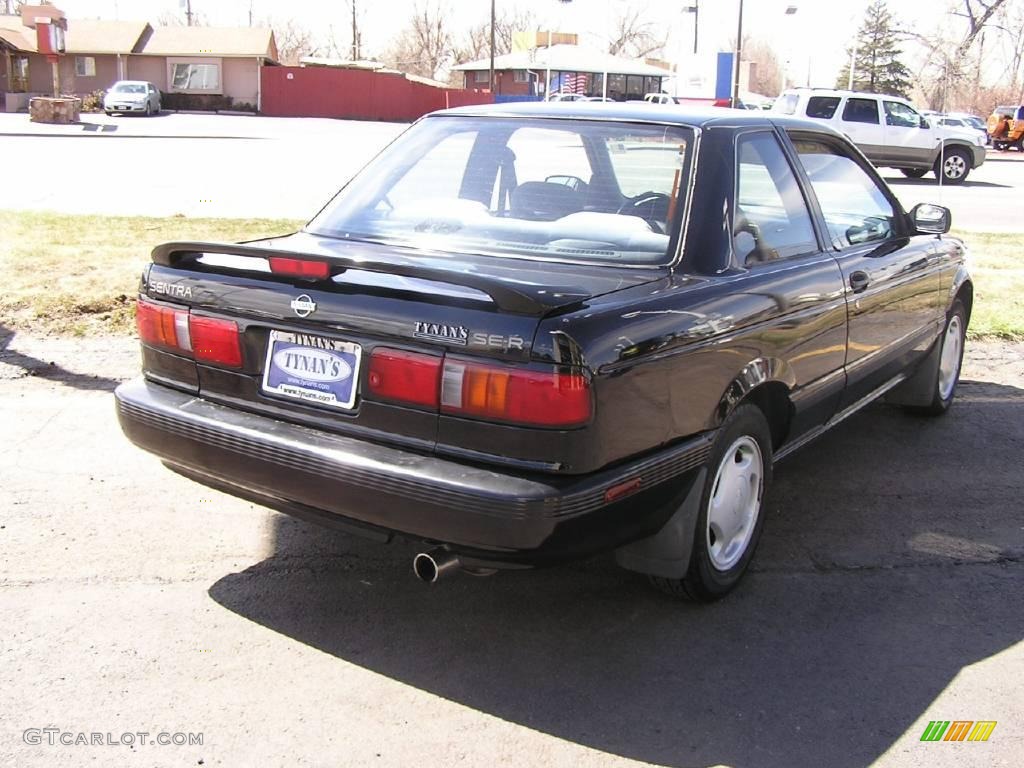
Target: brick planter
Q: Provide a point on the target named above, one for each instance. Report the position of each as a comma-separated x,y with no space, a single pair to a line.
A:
47,109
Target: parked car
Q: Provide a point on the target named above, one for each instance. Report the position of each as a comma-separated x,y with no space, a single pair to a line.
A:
527,333
961,123
132,96
890,131
1008,131
567,97
659,98
998,114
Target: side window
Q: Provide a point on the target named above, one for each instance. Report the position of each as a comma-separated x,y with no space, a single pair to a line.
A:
771,219
861,111
854,206
822,107
901,116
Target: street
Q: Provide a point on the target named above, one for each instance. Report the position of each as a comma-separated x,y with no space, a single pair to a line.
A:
223,165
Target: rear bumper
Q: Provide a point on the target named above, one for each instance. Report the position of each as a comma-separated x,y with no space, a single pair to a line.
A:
484,513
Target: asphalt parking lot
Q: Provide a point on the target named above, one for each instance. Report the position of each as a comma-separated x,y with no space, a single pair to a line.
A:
888,590
223,165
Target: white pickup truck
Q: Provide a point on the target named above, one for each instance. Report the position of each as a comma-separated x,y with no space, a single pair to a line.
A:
890,132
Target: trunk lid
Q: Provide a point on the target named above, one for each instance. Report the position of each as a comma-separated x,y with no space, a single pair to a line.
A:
375,296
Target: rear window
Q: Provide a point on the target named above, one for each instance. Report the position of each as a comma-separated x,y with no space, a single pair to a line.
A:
786,104
570,190
822,107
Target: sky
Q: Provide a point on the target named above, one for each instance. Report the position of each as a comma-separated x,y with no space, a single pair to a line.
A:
813,38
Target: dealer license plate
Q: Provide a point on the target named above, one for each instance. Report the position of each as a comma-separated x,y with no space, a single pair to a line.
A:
315,369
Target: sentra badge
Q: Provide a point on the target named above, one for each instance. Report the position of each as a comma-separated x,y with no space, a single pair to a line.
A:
303,306
171,289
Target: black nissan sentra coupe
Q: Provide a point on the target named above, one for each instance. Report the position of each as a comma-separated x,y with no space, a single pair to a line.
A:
531,333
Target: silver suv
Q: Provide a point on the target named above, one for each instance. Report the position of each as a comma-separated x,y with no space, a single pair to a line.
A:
890,132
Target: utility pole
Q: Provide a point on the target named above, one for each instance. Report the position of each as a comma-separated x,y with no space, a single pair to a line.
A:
739,58
355,33
492,47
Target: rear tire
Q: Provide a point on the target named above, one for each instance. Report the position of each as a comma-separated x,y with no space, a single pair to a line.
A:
731,519
951,356
913,173
953,166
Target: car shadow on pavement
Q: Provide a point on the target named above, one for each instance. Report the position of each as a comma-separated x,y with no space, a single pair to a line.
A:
902,181
892,559
50,370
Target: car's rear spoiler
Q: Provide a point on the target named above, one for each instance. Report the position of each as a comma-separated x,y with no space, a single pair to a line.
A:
508,298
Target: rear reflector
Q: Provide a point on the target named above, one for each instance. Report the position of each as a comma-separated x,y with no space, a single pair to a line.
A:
405,376
547,399
317,270
215,341
162,326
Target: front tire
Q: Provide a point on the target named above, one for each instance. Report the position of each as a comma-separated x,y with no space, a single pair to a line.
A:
951,357
913,173
730,521
953,166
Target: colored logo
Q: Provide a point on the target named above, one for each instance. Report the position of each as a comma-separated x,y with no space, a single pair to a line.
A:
958,730
312,364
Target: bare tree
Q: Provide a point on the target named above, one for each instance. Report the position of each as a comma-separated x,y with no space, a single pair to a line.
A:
766,74
424,47
293,41
634,36
476,43
951,72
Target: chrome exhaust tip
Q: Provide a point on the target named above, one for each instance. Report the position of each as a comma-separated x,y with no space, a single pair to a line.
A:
435,564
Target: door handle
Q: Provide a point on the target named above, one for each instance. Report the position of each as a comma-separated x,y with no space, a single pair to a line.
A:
859,281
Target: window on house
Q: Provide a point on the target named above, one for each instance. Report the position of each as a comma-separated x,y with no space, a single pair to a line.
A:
482,76
522,76
19,74
196,77
85,66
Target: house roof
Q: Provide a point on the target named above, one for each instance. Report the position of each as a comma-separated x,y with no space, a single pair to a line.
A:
211,41
568,58
16,35
94,36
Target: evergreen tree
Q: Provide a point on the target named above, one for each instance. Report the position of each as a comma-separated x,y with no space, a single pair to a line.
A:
877,65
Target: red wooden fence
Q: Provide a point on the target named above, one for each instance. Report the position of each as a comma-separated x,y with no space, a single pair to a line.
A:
355,94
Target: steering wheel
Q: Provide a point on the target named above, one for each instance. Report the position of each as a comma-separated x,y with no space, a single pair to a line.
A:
652,207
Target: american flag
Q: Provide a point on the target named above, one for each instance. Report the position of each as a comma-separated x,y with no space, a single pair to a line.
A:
573,82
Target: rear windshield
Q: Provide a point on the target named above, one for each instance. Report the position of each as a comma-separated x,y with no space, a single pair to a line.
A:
786,104
572,190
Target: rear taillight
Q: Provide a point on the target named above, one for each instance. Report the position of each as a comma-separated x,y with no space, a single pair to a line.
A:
215,341
407,377
497,393
163,326
316,270
206,338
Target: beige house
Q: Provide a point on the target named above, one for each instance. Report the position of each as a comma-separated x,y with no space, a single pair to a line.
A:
195,60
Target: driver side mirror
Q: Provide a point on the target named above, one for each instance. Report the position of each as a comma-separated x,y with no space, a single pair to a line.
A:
931,219
924,122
